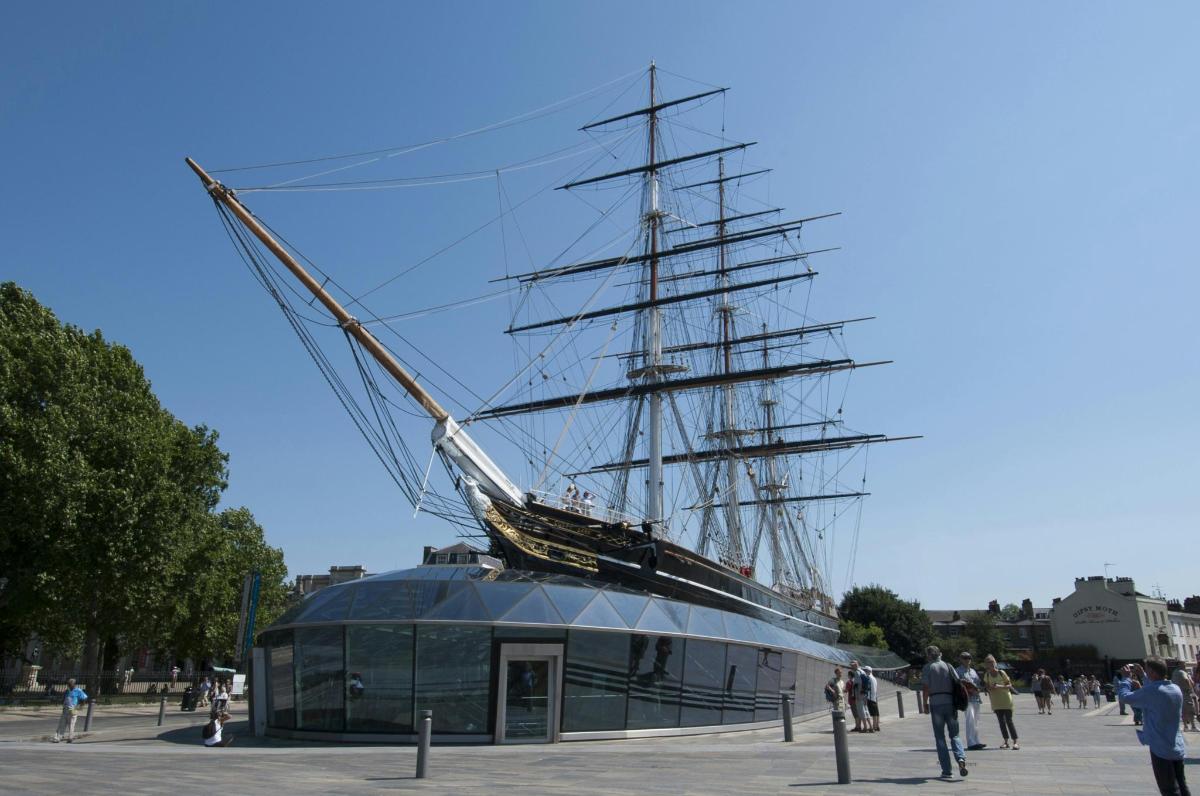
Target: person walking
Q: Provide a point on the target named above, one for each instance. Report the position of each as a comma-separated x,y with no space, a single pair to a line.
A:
872,698
1095,686
1000,691
1121,684
1183,680
72,699
854,695
1064,690
1161,703
970,679
1047,688
939,680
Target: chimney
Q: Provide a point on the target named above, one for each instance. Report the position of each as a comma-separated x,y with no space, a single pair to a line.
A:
425,553
994,607
1027,608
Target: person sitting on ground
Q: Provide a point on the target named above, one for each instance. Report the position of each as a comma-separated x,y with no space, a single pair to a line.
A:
214,731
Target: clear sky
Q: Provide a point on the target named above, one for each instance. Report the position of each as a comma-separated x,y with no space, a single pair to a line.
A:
1020,190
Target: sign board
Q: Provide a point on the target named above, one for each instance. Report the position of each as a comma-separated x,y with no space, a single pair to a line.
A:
1096,615
239,685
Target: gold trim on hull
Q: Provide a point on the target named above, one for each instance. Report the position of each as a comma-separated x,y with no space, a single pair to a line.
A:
539,548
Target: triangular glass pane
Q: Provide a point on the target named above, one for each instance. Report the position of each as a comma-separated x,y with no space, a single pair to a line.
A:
600,613
738,627
705,622
333,607
463,604
655,619
629,606
569,600
499,596
535,609
677,611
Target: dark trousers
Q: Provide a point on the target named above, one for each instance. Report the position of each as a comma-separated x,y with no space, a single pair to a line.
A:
1007,728
1169,776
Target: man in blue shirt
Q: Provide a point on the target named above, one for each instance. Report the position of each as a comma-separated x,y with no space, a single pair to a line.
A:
1161,703
970,678
72,699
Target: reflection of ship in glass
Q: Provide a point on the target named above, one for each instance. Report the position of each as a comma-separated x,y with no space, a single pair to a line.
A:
703,445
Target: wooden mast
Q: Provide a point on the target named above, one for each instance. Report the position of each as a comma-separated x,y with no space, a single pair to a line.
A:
348,322
654,480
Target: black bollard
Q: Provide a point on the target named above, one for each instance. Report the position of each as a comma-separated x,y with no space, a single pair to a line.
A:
423,733
162,709
786,705
841,747
87,720
920,702
900,703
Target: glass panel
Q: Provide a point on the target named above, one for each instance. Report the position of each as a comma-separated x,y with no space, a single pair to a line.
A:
532,635
595,681
569,600
600,613
534,609
463,604
703,683
705,622
380,600
655,677
677,611
770,669
740,677
320,678
454,667
379,687
499,597
334,606
527,700
281,683
629,606
738,627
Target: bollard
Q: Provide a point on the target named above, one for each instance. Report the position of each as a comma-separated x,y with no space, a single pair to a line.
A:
87,720
841,747
786,704
423,732
162,709
900,703
920,702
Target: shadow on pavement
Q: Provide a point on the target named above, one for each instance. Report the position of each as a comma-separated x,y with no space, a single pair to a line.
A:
876,780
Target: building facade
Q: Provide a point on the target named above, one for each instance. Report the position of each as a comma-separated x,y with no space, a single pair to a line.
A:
1123,623
1027,636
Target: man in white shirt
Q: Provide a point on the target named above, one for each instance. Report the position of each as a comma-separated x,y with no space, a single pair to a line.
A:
872,698
970,679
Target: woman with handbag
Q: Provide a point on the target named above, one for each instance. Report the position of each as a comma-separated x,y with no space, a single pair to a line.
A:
1000,691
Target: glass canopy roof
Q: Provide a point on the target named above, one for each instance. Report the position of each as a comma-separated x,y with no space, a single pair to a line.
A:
479,594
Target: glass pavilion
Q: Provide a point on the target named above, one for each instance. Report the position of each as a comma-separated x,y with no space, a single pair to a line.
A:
513,656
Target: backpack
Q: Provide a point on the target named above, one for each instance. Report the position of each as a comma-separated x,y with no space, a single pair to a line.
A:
830,692
210,729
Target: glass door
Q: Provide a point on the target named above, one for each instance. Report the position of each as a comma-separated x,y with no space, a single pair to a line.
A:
527,691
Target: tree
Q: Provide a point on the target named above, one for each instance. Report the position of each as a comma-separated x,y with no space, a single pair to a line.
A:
906,628
862,635
985,637
1011,612
103,493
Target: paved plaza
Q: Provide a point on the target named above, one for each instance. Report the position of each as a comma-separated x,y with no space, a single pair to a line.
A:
1069,752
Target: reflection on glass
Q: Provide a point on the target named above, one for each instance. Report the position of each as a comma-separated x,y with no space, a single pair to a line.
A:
766,699
703,683
320,678
281,688
740,677
454,667
655,677
597,670
379,685
527,700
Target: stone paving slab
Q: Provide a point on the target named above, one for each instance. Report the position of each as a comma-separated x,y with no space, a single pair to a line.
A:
1069,752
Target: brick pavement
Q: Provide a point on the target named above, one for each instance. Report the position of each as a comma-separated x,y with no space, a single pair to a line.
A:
1070,752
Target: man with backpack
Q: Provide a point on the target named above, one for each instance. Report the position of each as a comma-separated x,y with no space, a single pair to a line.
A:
940,682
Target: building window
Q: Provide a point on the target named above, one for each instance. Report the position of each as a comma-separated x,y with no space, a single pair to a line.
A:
770,668
320,679
281,688
379,688
655,677
596,681
740,679
453,674
703,683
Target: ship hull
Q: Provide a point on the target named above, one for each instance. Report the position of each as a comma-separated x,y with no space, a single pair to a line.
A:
543,538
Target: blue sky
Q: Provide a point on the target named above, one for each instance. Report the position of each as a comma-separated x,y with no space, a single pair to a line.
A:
1018,183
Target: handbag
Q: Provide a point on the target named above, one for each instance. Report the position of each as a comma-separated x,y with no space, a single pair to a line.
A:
958,693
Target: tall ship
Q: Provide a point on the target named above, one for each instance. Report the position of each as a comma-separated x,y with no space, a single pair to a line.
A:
674,406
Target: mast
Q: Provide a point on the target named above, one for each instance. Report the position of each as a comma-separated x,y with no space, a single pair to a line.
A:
733,510
448,436
654,477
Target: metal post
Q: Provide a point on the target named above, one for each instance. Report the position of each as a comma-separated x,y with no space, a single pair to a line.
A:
423,732
900,703
920,701
87,720
841,747
786,704
162,709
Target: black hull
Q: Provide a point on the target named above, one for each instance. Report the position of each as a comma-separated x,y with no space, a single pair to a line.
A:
545,539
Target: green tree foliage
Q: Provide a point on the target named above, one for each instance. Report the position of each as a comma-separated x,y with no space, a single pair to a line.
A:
984,637
953,646
906,628
103,493
1011,612
870,635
